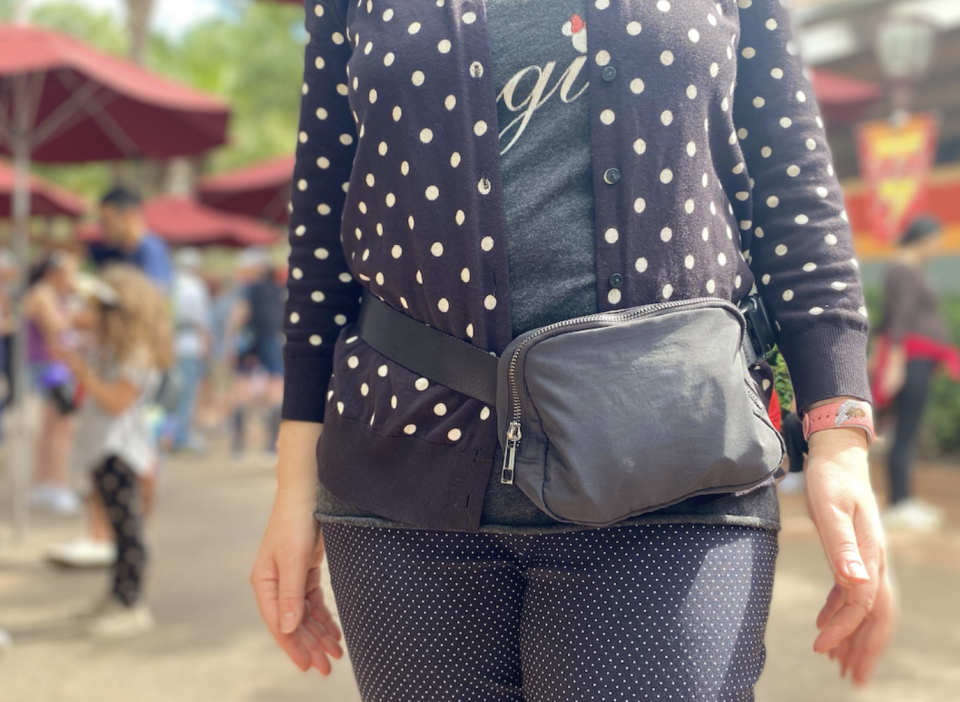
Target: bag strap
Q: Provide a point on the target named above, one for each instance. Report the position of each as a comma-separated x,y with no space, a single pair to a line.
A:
423,349
445,359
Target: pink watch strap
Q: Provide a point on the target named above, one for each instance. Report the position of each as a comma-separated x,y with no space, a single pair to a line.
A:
849,413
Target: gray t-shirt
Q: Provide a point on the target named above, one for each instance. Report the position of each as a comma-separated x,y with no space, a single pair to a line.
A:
539,56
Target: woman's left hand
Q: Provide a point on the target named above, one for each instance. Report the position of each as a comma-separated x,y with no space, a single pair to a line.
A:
859,617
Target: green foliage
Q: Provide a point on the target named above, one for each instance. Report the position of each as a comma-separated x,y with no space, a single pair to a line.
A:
941,426
252,58
98,29
781,380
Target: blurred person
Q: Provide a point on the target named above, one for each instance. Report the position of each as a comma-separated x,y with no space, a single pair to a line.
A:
484,195
914,342
126,237
257,321
226,293
192,318
48,322
134,345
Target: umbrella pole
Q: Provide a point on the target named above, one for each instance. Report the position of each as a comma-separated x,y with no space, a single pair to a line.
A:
18,451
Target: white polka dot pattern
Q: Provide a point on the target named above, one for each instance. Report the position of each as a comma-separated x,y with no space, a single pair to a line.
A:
397,180
662,612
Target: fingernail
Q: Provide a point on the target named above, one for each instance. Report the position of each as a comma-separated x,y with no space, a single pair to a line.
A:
856,570
288,623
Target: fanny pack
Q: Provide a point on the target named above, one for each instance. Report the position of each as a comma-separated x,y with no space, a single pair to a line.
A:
609,415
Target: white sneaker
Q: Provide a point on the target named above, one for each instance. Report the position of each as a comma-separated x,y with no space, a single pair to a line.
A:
793,484
64,501
59,500
115,621
923,505
83,552
912,515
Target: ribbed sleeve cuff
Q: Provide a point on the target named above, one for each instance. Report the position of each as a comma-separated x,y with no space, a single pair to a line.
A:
305,381
827,361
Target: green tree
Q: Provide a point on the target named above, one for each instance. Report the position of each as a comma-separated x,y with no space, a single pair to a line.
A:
253,58
98,29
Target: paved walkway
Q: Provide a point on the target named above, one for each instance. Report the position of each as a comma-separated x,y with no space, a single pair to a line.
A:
210,644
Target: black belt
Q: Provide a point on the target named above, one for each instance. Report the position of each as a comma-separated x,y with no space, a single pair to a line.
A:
470,370
423,349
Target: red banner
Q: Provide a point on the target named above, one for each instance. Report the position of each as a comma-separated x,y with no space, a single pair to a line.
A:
895,161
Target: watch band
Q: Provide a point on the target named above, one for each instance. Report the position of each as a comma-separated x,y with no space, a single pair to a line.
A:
848,413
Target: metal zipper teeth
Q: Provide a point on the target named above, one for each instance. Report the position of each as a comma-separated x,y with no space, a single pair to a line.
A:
601,317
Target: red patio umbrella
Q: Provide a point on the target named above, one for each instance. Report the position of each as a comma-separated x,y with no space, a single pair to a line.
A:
61,101
182,221
261,190
46,199
76,104
843,99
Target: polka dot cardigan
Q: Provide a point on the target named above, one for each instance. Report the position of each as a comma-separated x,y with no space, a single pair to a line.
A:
711,174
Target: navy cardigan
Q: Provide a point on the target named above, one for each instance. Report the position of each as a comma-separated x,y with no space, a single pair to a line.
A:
711,173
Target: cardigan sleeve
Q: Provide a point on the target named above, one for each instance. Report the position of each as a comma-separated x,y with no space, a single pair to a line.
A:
322,294
801,247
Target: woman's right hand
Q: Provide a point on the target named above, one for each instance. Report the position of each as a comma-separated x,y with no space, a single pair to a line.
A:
286,573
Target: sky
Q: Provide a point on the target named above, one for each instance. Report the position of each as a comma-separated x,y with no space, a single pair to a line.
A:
171,17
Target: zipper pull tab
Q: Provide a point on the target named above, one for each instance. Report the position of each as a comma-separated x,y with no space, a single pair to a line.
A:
510,453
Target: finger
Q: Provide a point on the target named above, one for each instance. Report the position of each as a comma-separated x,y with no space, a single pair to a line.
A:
873,644
324,631
318,658
840,542
293,576
326,641
843,655
874,638
834,603
322,614
266,588
841,625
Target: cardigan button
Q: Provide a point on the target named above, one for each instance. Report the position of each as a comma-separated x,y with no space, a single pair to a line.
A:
609,73
616,280
611,175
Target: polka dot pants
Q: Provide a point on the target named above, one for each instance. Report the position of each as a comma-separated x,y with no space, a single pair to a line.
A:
119,487
651,612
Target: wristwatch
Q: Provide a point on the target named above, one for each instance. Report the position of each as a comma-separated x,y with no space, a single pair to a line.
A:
847,413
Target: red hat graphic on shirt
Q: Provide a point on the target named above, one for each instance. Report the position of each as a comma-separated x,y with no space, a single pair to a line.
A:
576,27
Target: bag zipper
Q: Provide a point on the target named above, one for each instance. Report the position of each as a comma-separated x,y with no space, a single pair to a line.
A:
514,434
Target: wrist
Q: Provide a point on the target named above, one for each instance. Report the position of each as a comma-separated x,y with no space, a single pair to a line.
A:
840,438
844,414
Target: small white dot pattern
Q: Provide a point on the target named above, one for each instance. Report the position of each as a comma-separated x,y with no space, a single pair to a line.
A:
653,612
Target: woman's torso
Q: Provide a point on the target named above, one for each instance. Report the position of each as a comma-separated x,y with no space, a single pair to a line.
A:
539,51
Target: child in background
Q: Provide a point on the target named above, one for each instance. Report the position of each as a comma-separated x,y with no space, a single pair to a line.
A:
133,334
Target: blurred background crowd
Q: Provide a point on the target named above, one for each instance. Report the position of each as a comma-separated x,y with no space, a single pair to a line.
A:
145,171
